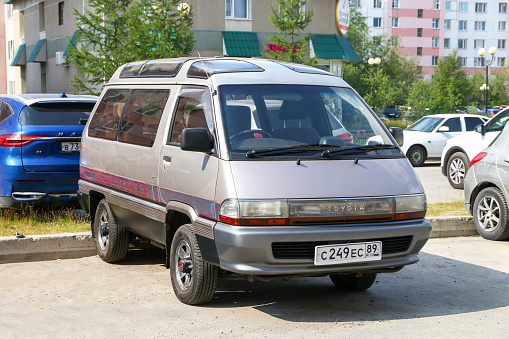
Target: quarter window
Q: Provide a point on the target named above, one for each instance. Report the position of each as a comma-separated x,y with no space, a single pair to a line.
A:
141,117
5,111
106,118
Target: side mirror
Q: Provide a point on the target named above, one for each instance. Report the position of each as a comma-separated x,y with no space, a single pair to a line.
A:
196,140
443,129
479,129
397,133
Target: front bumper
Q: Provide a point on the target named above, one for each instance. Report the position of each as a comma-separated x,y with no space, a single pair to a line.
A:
261,250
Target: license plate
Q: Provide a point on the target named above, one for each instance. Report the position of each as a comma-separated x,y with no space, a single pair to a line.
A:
70,147
346,253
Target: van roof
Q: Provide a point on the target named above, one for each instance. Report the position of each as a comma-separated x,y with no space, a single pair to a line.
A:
219,70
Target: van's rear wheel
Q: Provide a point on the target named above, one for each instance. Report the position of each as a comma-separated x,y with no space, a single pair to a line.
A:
112,240
194,281
355,282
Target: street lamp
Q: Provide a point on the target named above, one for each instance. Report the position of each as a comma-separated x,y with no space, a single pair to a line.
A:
485,62
374,62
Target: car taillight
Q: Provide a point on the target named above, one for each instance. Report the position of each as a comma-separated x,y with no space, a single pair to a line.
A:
477,158
346,137
17,140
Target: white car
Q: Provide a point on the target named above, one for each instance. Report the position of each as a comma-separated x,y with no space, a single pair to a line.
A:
459,151
426,138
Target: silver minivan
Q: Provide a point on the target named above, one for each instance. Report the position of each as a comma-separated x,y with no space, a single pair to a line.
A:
248,168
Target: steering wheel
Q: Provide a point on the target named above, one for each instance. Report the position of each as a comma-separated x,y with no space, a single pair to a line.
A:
249,133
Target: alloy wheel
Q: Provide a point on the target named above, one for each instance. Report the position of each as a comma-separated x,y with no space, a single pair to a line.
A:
488,214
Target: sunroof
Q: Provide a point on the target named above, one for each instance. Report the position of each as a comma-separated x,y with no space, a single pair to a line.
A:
132,69
303,68
155,68
204,69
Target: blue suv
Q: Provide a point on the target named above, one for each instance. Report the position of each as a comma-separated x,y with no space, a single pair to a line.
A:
40,140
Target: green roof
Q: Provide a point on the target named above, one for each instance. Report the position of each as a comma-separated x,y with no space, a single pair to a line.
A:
241,44
20,58
6,2
72,42
331,46
36,50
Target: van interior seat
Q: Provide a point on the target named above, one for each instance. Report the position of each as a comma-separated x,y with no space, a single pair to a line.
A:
196,118
238,119
292,112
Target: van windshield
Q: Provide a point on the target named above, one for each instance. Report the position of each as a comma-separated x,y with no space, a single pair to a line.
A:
300,121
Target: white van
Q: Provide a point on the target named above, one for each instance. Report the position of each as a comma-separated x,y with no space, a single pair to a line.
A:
234,168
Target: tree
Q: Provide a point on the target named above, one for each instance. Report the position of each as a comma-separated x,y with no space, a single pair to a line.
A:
115,32
290,20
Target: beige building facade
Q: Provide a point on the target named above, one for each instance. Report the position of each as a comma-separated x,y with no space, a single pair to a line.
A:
40,32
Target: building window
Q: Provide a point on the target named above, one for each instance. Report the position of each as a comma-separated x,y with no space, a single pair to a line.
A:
377,3
355,3
377,22
502,7
462,25
12,87
437,4
501,62
60,13
463,61
447,43
377,40
478,62
419,32
435,23
447,24
480,7
10,49
395,22
434,42
501,43
479,43
419,13
237,9
9,10
502,25
463,7
419,50
462,43
395,3
434,60
480,25
447,5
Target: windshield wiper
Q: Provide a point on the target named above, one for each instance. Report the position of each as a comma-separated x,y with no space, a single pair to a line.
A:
364,148
254,152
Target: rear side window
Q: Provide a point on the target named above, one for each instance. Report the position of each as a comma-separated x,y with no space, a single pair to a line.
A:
454,124
141,117
5,111
105,120
55,113
471,122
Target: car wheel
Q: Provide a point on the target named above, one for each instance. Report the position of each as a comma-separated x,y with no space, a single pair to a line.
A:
111,239
194,281
416,155
457,168
491,214
355,282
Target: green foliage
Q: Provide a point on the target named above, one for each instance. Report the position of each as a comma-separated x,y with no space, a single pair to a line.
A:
115,32
290,20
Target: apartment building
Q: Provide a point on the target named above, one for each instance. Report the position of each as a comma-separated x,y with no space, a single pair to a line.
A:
39,33
432,29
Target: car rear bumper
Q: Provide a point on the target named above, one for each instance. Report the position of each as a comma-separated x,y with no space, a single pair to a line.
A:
290,250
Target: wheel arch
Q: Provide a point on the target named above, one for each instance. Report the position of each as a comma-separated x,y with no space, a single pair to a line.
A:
453,150
477,190
94,198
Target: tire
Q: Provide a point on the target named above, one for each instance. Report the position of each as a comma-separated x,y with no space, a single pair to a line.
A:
194,281
491,214
112,240
355,282
416,155
457,168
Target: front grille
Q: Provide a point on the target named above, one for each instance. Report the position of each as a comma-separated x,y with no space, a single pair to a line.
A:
306,249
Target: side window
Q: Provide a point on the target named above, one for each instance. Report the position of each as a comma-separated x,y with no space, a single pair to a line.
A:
5,111
472,122
141,117
454,124
194,109
105,120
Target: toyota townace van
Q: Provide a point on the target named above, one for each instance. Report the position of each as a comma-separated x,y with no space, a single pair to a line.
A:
248,168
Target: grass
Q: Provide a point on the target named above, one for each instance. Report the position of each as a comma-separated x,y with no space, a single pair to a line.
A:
30,221
402,123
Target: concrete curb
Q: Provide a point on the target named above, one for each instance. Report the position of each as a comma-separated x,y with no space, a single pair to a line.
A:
78,245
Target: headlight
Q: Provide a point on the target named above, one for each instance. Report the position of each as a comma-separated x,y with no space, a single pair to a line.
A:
254,212
410,207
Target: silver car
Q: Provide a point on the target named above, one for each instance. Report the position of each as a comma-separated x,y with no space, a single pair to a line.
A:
486,187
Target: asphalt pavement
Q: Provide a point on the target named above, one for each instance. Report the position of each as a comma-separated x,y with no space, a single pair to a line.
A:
436,185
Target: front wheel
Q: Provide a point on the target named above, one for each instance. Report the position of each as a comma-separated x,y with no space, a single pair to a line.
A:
491,214
355,282
416,155
112,240
194,281
457,167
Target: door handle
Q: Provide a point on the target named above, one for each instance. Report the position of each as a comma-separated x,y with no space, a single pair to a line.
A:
167,158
